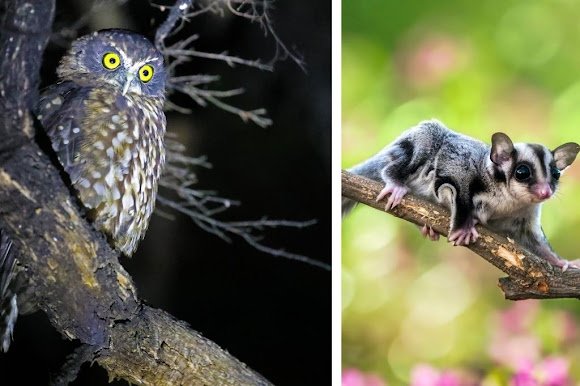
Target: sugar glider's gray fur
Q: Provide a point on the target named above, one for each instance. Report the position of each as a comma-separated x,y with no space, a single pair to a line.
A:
501,186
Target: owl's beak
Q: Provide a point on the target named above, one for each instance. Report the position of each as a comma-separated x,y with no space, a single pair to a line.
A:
130,77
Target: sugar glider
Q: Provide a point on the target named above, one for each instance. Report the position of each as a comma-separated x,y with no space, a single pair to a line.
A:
501,185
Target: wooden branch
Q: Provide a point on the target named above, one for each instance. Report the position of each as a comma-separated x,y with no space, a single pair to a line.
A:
529,275
69,270
155,349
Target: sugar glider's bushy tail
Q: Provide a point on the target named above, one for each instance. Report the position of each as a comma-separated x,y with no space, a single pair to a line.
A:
347,205
404,156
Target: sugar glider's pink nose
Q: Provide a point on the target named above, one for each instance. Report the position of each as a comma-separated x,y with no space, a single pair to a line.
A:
542,191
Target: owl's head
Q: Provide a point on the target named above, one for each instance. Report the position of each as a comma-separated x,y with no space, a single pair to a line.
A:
122,59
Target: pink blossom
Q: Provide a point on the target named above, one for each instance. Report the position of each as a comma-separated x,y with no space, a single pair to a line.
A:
428,61
518,317
512,342
524,375
566,327
355,377
514,350
425,375
552,371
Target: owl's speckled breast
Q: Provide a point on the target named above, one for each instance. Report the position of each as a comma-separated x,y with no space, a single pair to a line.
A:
122,155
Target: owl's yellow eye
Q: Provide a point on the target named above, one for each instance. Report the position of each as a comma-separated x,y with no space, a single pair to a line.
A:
146,73
111,60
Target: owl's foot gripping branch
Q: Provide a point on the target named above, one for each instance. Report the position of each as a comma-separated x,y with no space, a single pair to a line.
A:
529,275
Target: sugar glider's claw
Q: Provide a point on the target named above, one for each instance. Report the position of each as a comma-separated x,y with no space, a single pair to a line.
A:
428,232
396,195
463,236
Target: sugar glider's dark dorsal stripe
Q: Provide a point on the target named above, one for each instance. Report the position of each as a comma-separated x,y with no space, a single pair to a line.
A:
499,175
408,149
416,157
515,153
540,154
404,165
476,186
514,163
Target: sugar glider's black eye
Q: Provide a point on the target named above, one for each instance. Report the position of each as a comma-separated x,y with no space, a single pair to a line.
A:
522,172
555,172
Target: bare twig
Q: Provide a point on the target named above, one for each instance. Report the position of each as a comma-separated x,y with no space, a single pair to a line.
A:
529,275
242,229
182,51
200,206
258,11
176,184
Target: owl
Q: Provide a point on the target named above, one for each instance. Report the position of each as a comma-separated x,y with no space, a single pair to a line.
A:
105,121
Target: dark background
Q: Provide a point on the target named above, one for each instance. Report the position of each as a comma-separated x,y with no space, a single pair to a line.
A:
271,313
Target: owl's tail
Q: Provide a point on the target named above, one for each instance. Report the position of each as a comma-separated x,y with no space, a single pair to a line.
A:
8,306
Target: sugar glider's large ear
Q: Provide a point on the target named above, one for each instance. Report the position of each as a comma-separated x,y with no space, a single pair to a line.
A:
565,154
501,148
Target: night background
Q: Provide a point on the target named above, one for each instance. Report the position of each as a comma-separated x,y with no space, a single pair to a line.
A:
269,312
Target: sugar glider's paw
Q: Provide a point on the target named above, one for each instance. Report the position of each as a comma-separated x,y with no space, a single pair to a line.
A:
429,233
396,192
555,260
573,264
464,235
565,264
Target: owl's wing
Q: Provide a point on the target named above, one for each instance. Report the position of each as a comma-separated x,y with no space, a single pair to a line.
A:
61,112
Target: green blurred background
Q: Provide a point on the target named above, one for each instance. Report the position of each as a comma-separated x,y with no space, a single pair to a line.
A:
479,67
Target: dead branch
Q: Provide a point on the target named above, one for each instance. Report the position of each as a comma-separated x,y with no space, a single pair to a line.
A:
71,271
182,51
529,275
177,193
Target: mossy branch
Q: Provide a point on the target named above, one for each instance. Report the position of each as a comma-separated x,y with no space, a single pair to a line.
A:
529,276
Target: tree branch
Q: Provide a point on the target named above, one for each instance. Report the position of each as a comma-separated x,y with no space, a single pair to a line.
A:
529,275
177,192
71,272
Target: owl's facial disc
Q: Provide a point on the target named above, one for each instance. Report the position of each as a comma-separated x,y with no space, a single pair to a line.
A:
131,76
128,80
127,62
124,71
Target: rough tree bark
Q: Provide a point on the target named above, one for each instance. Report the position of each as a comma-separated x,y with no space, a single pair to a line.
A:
73,273
529,275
